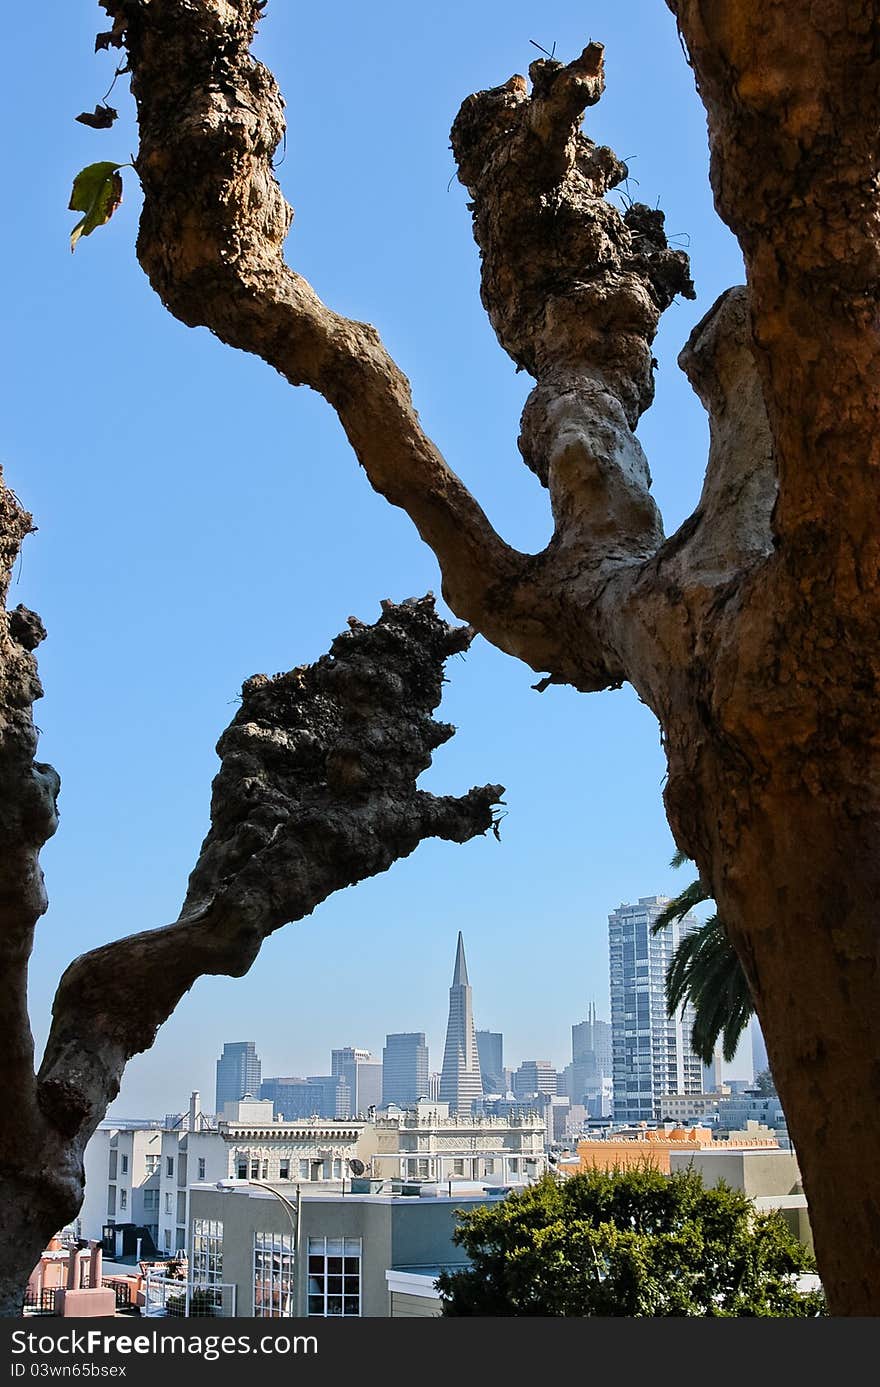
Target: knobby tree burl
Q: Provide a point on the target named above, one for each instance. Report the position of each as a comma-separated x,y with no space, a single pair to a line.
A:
752,631
316,791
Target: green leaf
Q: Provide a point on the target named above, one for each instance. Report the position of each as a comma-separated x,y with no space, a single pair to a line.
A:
97,191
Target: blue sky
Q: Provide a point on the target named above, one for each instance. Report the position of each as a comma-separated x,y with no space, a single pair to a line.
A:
200,521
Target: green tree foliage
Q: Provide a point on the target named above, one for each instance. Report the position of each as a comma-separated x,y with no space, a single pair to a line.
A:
765,1084
628,1243
705,971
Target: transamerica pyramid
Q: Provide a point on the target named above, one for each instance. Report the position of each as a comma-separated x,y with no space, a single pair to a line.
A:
460,1081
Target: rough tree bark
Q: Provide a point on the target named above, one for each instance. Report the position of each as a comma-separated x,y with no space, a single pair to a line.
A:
751,632
316,791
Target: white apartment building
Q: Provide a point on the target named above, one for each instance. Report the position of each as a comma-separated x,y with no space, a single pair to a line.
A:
249,1144
122,1177
141,1173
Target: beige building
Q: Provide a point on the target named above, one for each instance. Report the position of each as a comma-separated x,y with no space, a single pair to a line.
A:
770,1178
425,1142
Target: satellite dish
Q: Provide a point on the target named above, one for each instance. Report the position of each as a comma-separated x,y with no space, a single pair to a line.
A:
356,1167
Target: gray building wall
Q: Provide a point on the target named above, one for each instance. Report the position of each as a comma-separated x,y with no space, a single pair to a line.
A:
395,1231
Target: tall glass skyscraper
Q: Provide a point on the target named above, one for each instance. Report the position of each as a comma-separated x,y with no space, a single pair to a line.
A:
404,1067
460,1082
651,1052
490,1048
238,1073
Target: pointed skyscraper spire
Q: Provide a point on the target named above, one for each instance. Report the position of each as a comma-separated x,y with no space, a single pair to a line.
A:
460,976
460,1081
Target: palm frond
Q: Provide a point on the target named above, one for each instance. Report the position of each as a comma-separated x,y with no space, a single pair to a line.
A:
691,896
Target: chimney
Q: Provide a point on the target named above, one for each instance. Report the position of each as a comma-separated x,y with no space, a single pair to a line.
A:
194,1109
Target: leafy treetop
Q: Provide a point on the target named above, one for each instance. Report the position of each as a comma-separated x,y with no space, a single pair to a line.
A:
629,1243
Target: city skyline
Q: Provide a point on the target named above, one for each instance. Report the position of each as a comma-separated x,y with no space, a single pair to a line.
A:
277,1060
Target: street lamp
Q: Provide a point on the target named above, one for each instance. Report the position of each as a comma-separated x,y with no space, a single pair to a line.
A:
293,1213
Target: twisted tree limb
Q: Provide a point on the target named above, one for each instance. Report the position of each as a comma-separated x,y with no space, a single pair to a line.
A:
316,791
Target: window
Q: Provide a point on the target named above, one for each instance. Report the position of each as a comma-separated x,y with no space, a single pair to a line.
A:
255,1168
168,1202
124,1165
169,1165
304,1170
514,1165
201,1167
206,1262
151,1201
334,1276
123,1199
458,1167
111,1199
284,1170
242,1168
151,1163
265,1174
273,1275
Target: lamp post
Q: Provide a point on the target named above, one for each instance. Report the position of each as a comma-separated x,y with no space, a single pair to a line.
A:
293,1213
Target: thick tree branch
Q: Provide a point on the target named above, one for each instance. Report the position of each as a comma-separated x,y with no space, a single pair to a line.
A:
574,289
316,791
732,524
211,234
28,793
795,142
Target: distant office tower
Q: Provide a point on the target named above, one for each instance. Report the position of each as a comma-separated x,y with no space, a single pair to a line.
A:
238,1072
591,1060
490,1048
460,1082
713,1074
434,1086
651,1051
362,1073
759,1049
404,1067
322,1095
535,1076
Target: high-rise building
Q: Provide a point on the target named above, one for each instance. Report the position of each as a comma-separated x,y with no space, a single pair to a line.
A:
535,1076
651,1051
238,1072
759,1049
490,1048
460,1082
362,1073
321,1095
591,1062
404,1067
